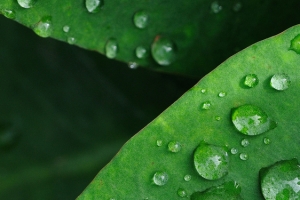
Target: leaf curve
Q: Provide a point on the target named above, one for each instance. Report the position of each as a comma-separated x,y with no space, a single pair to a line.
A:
204,114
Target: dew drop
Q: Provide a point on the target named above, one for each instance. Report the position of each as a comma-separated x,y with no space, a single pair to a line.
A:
66,29
251,80
44,27
26,3
251,120
181,192
10,14
267,141
160,178
281,180
222,94
244,156
174,146
233,151
71,40
203,91
280,82
133,65
245,142
93,6
237,6
159,143
210,161
140,19
111,48
295,44
215,7
163,51
141,52
206,105
187,177
218,118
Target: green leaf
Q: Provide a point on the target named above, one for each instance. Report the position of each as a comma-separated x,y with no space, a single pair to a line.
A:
184,37
204,114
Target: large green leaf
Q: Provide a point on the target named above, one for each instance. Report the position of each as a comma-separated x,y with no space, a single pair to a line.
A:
204,115
203,33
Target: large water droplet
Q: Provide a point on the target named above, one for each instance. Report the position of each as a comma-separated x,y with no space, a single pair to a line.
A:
66,28
216,7
281,180
93,6
163,51
206,105
174,146
111,48
10,14
245,142
280,82
187,177
26,3
140,19
141,52
251,120
181,192
8,136
244,156
210,161
295,44
44,27
251,80
228,191
160,178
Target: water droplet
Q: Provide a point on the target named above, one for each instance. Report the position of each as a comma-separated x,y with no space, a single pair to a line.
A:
140,19
111,48
163,51
187,177
215,7
237,6
280,82
71,40
203,91
281,180
251,120
8,136
245,142
206,105
159,143
93,6
133,65
160,178
233,151
222,94
26,3
174,146
10,14
44,27
251,80
244,156
229,190
141,52
295,44
66,29
181,192
218,118
267,141
211,162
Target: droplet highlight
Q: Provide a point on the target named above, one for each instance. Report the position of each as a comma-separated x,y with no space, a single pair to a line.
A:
245,142
44,27
174,146
160,178
10,14
26,3
210,161
251,120
140,19
111,48
163,51
244,156
141,52
215,7
295,44
206,105
280,82
181,192
93,6
251,80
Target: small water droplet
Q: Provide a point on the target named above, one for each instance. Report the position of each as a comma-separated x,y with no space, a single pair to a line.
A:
181,192
159,143
216,7
251,80
222,94
66,28
71,40
295,44
206,105
44,27
267,141
281,180
280,82
245,142
174,146
160,178
237,6
10,14
251,120
233,151
140,19
93,6
187,177
210,161
218,118
203,91
26,3
163,51
111,48
244,156
133,65
141,52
